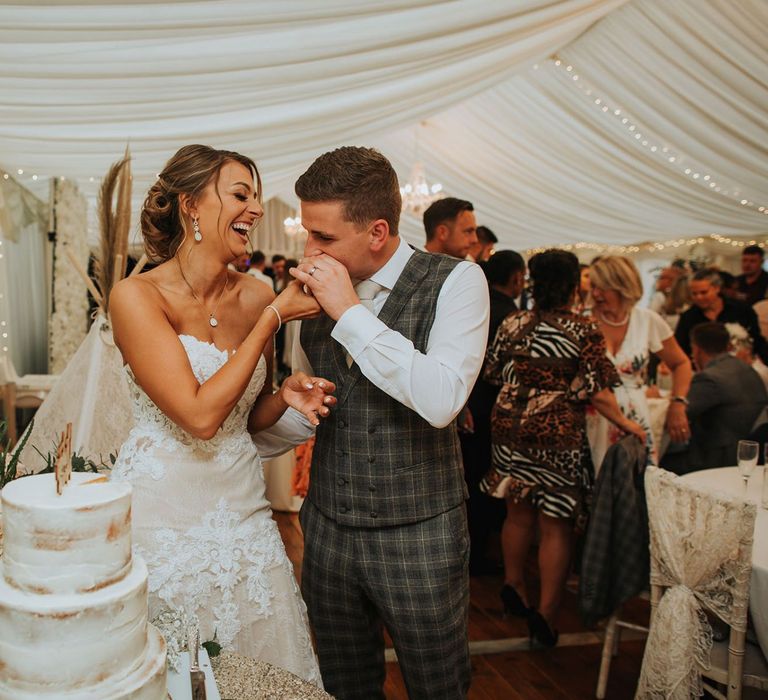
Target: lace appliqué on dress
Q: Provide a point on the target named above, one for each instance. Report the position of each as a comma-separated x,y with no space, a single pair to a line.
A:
186,568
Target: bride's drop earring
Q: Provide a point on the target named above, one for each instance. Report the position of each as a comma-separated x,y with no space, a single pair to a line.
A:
196,227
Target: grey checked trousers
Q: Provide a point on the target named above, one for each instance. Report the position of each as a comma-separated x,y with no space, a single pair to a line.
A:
411,578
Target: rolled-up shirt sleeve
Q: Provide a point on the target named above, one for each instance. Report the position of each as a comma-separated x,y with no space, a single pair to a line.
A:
437,383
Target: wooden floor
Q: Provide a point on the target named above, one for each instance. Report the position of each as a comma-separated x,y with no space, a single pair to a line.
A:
503,666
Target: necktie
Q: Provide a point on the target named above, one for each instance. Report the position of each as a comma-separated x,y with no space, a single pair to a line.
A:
366,291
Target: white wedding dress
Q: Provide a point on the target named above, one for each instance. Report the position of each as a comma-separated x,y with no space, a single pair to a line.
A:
202,523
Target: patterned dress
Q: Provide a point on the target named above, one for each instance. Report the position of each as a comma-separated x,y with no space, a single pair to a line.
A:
646,333
549,364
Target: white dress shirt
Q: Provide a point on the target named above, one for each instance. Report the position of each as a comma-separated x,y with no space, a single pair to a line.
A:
435,384
259,275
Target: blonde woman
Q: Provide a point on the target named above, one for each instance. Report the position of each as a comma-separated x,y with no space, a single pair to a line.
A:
631,334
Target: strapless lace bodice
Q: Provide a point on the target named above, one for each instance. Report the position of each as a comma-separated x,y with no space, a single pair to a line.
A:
151,423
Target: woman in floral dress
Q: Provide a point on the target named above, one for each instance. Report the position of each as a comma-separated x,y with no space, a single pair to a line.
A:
631,334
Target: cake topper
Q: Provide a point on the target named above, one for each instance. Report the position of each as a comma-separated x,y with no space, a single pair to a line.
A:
63,467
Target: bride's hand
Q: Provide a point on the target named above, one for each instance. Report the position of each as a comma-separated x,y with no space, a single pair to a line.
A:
293,303
309,395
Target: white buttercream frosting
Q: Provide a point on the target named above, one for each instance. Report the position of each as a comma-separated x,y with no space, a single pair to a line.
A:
73,603
147,682
73,640
77,542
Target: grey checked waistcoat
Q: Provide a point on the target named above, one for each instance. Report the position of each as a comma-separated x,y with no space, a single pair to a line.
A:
377,462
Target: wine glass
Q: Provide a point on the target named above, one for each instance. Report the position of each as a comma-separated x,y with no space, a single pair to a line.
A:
747,457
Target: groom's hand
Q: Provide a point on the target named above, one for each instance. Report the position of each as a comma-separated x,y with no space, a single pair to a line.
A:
328,281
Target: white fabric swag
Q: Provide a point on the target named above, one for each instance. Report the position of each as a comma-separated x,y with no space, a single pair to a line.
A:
283,82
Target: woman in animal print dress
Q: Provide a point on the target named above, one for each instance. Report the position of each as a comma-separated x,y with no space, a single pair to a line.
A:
550,363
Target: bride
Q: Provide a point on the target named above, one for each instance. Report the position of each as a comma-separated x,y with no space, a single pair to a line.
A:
197,342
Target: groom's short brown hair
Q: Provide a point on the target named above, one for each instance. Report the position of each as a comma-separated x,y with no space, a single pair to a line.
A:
361,178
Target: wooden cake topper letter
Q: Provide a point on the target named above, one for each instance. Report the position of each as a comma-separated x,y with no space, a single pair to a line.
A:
63,467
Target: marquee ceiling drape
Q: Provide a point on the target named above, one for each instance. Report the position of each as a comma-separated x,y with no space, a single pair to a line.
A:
542,161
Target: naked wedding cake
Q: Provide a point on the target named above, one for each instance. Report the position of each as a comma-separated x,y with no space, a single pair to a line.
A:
73,601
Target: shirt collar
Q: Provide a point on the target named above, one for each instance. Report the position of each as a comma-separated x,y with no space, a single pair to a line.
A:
390,272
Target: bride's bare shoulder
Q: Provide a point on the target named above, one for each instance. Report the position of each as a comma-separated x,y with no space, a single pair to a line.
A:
140,294
253,294
144,287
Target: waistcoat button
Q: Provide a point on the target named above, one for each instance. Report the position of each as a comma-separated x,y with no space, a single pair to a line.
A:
371,459
372,487
341,481
374,514
342,424
343,509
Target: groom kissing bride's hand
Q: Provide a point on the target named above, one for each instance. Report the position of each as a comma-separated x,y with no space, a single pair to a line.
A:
385,531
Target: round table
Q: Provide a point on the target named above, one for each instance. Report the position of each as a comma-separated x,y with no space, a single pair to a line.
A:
728,480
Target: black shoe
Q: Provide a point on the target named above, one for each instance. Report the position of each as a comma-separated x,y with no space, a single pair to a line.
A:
540,632
513,603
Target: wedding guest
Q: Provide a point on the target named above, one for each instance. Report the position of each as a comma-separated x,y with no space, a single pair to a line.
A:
256,266
664,284
240,263
729,287
677,301
741,347
632,334
550,363
725,399
384,521
279,271
483,249
505,273
197,342
583,304
282,348
451,227
753,282
709,305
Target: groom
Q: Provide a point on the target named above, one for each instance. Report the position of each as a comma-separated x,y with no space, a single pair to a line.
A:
384,521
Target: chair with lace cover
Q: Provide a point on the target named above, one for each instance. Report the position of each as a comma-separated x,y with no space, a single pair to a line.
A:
701,558
28,391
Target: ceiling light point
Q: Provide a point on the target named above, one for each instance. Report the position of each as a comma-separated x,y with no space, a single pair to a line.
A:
417,193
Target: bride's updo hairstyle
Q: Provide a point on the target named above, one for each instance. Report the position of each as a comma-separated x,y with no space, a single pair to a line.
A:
188,172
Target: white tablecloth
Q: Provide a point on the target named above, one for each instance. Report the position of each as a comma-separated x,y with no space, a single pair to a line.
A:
728,480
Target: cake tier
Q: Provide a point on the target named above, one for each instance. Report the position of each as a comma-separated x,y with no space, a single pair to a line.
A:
77,542
72,641
147,682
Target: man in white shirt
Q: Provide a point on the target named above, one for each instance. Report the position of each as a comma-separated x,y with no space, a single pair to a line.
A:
384,521
451,227
256,268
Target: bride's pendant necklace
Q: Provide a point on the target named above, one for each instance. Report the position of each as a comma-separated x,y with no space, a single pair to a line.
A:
212,320
615,324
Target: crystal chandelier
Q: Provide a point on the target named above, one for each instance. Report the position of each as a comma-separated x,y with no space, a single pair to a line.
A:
417,193
292,226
